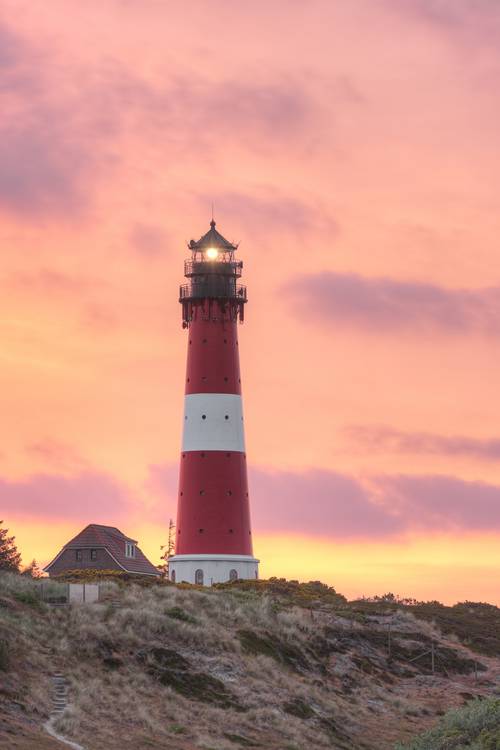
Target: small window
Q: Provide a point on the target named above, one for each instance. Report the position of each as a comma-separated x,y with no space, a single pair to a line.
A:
172,576
203,416
93,554
227,416
198,577
129,549
233,575
79,554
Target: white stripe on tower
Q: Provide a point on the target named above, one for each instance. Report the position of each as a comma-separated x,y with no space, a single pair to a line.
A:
213,422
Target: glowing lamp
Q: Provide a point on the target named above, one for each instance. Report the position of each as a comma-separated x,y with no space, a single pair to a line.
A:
212,253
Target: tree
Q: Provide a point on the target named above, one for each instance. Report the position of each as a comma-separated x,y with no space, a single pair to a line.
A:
32,571
167,551
10,558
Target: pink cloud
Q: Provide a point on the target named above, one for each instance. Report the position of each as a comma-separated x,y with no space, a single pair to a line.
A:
389,305
318,502
454,15
149,240
86,497
380,439
338,506
55,144
272,209
42,157
328,504
58,455
443,503
51,281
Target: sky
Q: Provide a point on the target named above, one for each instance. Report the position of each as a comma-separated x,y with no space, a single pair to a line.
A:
352,149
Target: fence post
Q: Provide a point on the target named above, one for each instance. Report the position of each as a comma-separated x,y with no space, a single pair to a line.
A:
432,656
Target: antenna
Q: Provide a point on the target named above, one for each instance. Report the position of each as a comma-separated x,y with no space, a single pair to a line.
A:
212,210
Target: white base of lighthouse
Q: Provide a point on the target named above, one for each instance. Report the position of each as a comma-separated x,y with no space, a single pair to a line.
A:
206,570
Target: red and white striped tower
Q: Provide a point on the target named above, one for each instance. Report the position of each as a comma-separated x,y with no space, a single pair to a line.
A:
213,534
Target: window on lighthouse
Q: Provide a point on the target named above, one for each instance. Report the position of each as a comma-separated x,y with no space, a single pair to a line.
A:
198,577
233,575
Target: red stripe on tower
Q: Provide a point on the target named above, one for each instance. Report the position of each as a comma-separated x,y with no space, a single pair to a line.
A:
213,533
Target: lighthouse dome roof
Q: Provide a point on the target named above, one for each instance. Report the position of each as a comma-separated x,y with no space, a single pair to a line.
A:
212,238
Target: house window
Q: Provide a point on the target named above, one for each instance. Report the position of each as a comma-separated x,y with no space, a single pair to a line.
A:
233,575
198,577
172,576
93,554
79,555
129,549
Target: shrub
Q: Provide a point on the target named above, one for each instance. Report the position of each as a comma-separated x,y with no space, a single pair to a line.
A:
476,624
27,597
475,727
179,614
4,656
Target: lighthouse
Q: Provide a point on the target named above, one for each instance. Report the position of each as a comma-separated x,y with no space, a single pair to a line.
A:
213,533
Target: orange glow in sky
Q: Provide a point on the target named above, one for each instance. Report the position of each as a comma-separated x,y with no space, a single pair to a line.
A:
361,176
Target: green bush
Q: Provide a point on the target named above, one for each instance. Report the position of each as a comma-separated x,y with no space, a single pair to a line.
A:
4,656
179,614
27,597
474,727
476,624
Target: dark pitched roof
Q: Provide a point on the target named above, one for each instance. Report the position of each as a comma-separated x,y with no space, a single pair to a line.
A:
113,540
212,238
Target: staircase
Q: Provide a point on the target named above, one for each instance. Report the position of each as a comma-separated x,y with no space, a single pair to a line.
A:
59,705
59,693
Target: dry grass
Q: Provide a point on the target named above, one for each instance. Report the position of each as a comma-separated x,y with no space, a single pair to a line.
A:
178,667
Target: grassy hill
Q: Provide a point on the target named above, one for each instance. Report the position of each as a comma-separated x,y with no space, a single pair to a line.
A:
269,664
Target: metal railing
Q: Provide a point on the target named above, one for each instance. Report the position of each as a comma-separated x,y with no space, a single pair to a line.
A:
210,267
213,288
